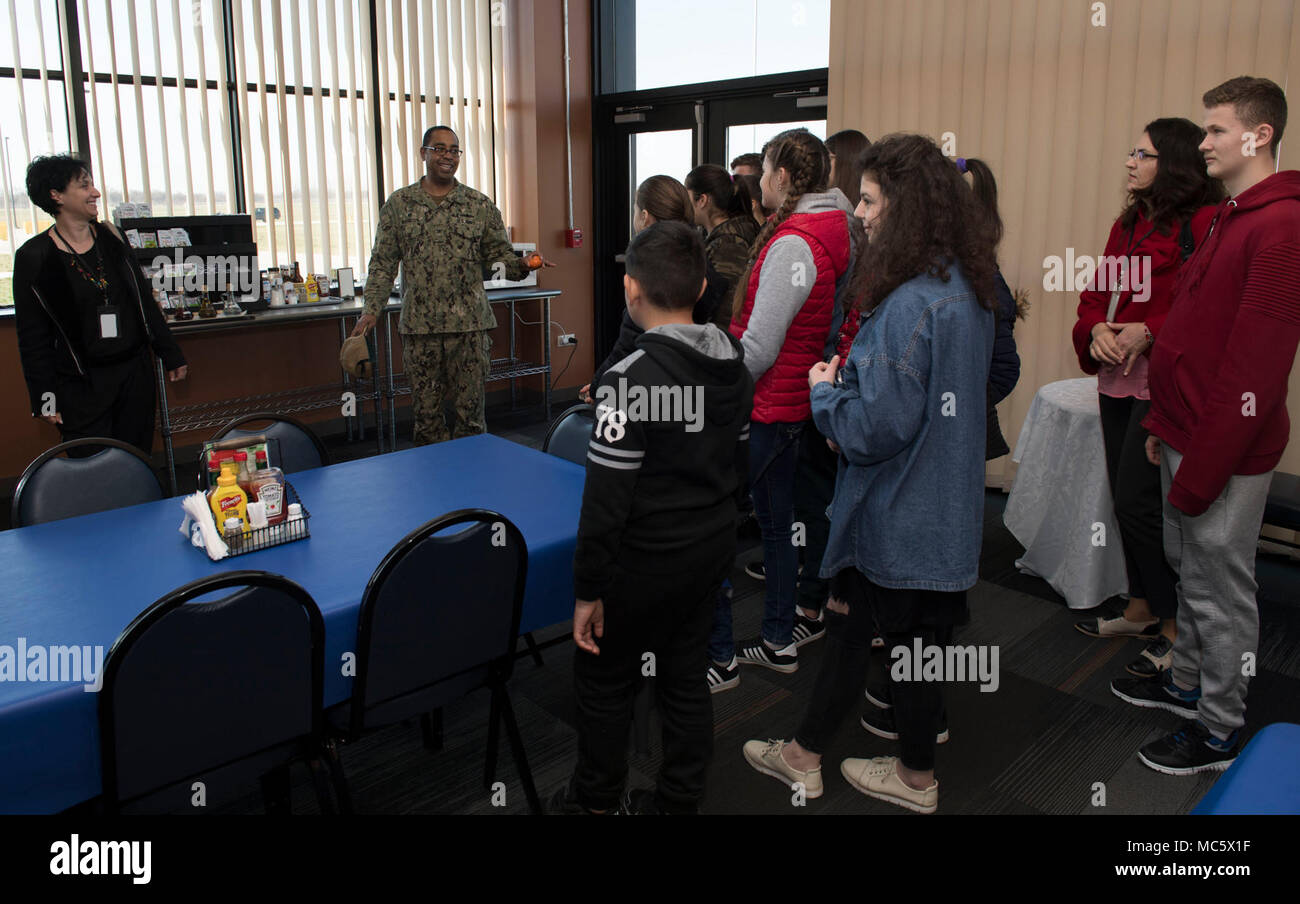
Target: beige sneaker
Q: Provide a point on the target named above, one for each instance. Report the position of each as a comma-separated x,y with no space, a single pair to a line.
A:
765,756
878,778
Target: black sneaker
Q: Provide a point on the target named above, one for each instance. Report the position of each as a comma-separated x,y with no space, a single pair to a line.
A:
880,722
758,572
785,660
638,802
1157,693
879,696
564,803
806,629
1191,749
1156,658
877,642
723,677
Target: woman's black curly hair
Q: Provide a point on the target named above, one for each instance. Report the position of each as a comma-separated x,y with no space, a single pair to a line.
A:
1181,185
931,220
54,173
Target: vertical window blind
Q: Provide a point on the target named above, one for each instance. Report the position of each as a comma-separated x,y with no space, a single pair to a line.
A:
270,108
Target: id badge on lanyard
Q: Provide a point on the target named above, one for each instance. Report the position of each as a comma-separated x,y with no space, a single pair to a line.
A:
107,321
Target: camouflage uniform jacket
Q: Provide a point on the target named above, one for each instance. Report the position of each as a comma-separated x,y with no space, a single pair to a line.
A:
727,246
445,248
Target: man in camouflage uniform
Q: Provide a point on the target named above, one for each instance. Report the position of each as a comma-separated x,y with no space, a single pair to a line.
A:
445,236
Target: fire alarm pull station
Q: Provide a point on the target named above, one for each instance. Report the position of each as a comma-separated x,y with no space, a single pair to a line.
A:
573,238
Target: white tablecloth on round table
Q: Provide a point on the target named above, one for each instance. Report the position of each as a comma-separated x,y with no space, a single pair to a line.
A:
1061,491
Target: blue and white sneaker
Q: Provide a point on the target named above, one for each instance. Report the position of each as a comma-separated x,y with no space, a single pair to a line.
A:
1191,749
1158,692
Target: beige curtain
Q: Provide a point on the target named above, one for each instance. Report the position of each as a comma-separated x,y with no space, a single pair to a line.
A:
1052,94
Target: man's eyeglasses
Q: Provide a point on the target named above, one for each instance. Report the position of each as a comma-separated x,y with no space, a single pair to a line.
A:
442,151
1139,155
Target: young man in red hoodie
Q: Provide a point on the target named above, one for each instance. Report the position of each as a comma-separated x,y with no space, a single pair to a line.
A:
1219,425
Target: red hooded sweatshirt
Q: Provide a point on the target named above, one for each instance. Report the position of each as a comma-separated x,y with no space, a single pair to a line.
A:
1219,368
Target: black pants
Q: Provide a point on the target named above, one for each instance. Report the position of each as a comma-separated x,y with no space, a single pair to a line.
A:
1135,489
118,401
668,616
814,485
904,616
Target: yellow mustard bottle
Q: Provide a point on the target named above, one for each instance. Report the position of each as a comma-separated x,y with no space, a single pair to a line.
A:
229,500
313,290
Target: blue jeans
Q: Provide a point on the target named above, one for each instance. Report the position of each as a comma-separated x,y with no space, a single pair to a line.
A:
773,457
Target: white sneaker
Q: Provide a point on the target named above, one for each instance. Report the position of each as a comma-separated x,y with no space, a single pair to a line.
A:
878,778
765,756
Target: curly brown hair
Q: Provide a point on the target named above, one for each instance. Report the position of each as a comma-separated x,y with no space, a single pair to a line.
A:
931,221
805,158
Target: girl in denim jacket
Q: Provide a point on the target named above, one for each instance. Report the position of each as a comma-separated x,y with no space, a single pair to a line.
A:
906,413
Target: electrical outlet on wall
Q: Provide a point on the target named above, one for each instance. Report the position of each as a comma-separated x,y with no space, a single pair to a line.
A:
567,339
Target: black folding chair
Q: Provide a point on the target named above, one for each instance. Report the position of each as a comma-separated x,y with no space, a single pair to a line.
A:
439,619
300,448
570,433
53,488
200,697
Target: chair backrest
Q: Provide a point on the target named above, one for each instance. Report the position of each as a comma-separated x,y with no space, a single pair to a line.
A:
194,687
570,434
440,616
300,448
53,488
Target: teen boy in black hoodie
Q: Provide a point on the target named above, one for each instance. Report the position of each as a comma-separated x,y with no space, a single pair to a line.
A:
657,533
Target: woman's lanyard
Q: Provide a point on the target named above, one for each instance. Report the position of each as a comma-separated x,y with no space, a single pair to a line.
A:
1116,291
107,312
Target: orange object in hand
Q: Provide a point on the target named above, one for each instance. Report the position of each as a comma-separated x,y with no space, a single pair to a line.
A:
534,261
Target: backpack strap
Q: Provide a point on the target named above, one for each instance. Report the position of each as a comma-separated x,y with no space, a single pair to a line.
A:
1186,241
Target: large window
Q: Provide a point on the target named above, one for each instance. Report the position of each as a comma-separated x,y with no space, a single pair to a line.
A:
649,44
264,107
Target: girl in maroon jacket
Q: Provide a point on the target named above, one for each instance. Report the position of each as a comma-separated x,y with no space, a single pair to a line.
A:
1170,203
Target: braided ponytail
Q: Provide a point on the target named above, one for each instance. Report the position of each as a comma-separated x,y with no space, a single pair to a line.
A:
805,158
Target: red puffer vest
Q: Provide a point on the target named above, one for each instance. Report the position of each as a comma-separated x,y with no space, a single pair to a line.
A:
781,394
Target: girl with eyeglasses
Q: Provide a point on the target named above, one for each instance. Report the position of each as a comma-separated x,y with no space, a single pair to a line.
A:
1171,201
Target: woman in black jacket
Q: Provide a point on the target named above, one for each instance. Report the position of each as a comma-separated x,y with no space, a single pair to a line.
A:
86,319
662,198
1004,369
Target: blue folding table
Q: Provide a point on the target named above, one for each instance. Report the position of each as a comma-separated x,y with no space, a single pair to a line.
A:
81,581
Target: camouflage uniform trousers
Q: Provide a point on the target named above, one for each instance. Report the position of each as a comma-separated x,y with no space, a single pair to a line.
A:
447,368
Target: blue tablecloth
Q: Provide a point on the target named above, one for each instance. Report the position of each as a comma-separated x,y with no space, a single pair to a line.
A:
1263,780
82,581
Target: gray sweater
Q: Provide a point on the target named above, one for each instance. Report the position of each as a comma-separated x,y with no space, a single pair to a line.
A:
780,296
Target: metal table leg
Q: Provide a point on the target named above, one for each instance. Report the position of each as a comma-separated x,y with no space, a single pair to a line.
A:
392,386
510,306
166,422
546,342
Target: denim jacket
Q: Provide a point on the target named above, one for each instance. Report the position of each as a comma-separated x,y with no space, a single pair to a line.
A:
909,418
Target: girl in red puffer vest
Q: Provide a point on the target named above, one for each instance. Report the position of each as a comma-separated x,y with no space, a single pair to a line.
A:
782,317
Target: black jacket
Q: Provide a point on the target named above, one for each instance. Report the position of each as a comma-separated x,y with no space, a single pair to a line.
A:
50,341
1004,370
716,295
664,479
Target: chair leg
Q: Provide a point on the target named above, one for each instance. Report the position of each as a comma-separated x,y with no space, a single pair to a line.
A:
340,779
275,791
320,780
431,728
494,722
532,648
517,750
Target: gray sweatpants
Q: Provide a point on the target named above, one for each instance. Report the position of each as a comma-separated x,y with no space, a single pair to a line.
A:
1218,618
